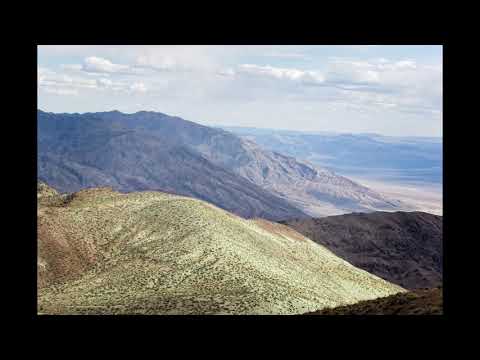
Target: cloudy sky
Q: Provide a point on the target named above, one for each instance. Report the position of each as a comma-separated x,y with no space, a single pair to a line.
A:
391,90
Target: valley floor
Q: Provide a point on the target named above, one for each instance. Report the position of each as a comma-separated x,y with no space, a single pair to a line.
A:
423,196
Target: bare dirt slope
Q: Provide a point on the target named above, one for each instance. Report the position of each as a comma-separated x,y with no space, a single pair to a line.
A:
417,302
404,248
103,252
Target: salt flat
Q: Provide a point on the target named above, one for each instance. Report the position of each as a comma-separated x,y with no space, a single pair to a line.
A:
422,196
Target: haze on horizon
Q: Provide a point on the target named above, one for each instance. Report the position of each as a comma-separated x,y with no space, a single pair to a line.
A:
389,90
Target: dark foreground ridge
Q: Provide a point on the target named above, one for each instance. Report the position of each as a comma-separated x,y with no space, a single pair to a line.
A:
417,302
404,248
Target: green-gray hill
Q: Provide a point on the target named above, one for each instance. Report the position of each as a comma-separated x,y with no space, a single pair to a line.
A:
103,252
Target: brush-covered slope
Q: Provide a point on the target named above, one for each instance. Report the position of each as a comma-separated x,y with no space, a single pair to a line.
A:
45,192
103,252
138,151
417,302
404,248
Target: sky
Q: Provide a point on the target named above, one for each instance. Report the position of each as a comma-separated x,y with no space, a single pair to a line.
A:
391,90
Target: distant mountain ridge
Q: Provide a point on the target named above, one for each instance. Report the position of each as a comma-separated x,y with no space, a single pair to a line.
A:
412,159
154,151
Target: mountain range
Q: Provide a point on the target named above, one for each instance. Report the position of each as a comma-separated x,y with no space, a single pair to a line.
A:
147,213
154,151
387,158
105,252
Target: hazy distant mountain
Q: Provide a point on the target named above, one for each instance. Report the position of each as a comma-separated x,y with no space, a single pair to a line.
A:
404,248
103,252
315,190
402,159
154,151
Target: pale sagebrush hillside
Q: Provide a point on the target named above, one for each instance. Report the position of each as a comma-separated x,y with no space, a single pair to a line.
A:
102,252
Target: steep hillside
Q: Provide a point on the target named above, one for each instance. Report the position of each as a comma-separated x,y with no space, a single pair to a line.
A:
154,151
103,252
417,302
404,248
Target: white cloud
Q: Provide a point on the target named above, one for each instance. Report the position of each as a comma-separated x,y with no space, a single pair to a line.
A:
406,64
179,58
226,72
162,63
282,73
57,83
375,83
71,67
105,82
138,87
351,74
288,55
377,71
60,91
43,73
100,65
368,86
360,47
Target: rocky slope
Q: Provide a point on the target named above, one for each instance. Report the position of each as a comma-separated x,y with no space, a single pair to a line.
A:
154,151
417,302
103,252
404,248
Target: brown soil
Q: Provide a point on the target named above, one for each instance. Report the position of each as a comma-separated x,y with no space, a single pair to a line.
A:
279,229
